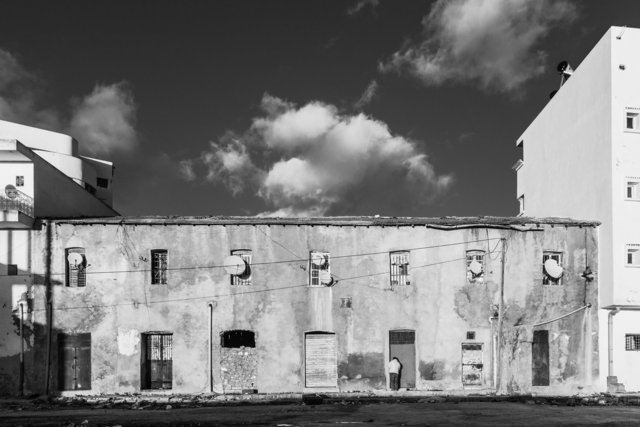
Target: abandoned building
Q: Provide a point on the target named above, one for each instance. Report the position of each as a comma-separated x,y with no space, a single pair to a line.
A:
244,304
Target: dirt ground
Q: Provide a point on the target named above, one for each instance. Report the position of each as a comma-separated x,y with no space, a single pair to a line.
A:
340,413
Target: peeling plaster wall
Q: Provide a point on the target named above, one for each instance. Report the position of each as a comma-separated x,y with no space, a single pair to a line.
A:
119,303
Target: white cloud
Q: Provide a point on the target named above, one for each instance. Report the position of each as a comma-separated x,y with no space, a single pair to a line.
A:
186,171
361,4
491,42
315,161
367,96
104,121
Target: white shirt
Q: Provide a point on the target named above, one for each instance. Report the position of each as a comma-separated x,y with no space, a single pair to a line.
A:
394,366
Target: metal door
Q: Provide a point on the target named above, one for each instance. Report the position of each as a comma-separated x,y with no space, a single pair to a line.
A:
74,362
320,359
472,364
402,345
540,358
157,369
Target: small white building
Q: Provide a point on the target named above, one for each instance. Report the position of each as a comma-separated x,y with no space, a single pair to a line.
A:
581,159
41,176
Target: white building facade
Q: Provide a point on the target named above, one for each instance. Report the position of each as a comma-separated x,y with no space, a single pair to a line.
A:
581,159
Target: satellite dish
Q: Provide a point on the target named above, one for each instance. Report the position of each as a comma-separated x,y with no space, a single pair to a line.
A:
562,66
475,267
552,268
325,277
11,191
234,265
317,259
75,259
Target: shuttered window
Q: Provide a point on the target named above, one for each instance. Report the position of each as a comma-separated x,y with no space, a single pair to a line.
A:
321,368
159,267
399,268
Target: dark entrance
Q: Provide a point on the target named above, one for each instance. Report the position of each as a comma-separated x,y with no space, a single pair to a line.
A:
74,362
157,363
402,345
540,358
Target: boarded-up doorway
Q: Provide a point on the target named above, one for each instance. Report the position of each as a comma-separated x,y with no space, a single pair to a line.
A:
320,359
402,345
540,358
471,364
238,360
74,362
157,361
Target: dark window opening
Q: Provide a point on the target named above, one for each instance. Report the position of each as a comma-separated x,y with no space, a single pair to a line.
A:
471,335
345,302
12,270
402,337
159,267
237,338
102,182
157,361
20,181
540,358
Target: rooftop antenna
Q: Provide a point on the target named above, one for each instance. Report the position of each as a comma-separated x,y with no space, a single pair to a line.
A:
565,71
619,36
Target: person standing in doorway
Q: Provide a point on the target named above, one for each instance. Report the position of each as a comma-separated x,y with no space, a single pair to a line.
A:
394,373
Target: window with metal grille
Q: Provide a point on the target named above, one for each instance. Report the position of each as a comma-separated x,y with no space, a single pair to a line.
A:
632,342
546,278
475,272
238,338
75,267
158,266
157,365
245,277
402,337
318,266
471,335
399,268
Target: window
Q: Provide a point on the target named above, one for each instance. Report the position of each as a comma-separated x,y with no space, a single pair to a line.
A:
521,205
159,267
319,269
244,278
475,266
20,181
345,302
237,338
399,268
75,267
633,255
632,342
631,121
471,335
631,188
12,269
553,277
102,182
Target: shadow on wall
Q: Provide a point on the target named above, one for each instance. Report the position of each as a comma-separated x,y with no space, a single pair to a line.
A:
362,371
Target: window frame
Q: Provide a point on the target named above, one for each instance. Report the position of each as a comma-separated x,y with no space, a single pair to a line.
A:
243,279
399,272
634,115
19,180
75,277
159,266
314,270
631,248
470,256
521,207
632,183
558,256
632,344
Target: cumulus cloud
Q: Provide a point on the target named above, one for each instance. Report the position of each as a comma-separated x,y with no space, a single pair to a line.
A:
312,161
493,43
104,121
367,96
361,4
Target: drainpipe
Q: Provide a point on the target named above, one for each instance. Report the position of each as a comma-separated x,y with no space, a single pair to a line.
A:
492,353
498,356
611,314
210,347
21,385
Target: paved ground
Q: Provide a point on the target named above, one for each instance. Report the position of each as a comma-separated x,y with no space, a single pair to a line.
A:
381,413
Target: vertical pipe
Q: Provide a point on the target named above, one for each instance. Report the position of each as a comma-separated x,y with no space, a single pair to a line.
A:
500,320
211,347
610,333
49,307
588,346
492,355
21,385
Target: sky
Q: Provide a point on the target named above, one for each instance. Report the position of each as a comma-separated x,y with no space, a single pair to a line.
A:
297,108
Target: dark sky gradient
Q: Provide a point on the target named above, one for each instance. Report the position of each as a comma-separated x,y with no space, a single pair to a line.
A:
198,69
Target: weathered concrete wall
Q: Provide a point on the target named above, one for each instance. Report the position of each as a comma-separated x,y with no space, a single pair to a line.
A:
119,304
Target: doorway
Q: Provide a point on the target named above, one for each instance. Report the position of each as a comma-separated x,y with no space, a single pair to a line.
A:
157,361
74,362
320,359
471,364
540,358
402,345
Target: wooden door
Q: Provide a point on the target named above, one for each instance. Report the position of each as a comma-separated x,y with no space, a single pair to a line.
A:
402,345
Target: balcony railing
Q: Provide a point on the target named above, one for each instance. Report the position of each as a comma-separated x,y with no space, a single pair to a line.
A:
21,202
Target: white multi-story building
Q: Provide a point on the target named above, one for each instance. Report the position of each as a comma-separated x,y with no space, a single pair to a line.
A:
41,176
581,159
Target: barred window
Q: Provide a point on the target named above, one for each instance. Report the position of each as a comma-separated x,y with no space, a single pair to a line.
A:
475,265
75,267
399,268
159,267
632,342
547,279
319,268
633,255
244,278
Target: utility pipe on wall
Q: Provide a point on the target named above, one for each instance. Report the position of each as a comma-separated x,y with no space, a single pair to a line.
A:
211,347
21,385
610,333
498,356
